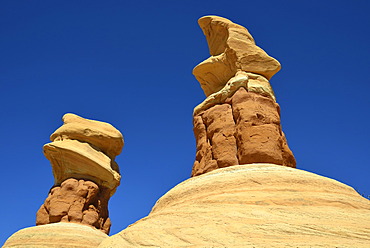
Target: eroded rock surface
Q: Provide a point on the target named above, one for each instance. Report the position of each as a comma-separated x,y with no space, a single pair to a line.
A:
76,201
244,129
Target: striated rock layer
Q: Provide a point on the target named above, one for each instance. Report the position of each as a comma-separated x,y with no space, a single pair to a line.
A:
257,205
82,154
66,235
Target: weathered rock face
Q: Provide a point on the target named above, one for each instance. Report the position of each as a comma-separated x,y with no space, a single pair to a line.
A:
258,205
245,129
76,201
82,157
239,121
57,235
232,49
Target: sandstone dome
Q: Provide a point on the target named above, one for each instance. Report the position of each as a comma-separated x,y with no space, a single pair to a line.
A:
67,235
255,205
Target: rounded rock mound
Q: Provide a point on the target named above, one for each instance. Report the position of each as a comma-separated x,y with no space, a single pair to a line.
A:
256,205
67,235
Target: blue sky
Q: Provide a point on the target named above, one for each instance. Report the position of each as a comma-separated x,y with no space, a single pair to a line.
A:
130,63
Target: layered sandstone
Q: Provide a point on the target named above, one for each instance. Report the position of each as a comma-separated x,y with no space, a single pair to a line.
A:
83,148
66,235
82,154
256,205
97,133
239,121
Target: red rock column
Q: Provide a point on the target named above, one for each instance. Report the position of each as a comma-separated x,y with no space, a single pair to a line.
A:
244,129
77,201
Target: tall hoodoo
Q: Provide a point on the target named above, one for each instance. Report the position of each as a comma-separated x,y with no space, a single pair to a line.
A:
239,121
82,154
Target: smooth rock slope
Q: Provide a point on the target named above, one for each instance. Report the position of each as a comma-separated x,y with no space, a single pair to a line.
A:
256,205
57,235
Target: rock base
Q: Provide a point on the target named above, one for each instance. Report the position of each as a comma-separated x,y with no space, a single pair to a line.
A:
258,205
244,129
76,201
66,235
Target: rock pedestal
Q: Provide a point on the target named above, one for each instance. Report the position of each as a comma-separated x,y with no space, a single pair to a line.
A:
239,121
76,201
82,154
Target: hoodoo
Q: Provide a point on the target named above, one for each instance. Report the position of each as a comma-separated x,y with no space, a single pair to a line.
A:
245,190
75,213
82,155
239,121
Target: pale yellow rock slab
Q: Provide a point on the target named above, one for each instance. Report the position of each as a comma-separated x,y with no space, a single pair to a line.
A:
58,235
260,85
85,149
258,205
74,159
251,82
97,133
232,48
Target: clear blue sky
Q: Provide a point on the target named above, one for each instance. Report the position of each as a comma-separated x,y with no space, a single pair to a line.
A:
130,64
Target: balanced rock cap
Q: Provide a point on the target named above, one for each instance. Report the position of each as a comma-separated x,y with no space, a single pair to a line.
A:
85,149
97,133
232,49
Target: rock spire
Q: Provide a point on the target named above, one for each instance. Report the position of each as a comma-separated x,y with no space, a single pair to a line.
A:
239,121
82,154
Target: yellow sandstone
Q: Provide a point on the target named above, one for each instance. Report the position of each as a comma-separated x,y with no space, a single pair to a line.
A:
232,49
255,205
57,235
85,149
251,82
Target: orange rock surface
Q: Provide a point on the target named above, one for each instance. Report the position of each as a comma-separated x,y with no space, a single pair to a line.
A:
76,201
244,129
